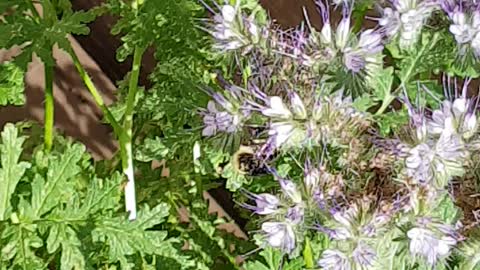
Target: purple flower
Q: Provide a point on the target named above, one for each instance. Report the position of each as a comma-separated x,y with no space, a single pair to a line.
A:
405,19
295,214
354,61
279,235
427,244
364,255
334,260
290,190
219,121
266,204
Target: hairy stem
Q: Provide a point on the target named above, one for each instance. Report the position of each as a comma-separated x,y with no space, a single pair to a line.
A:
385,103
49,108
126,139
96,95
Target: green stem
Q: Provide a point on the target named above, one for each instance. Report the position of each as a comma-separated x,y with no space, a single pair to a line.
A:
35,13
126,139
49,107
386,101
96,95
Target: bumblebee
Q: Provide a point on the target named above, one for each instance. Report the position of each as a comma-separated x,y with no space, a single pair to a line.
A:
247,163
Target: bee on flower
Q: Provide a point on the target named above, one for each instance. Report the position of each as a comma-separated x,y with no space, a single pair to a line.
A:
404,19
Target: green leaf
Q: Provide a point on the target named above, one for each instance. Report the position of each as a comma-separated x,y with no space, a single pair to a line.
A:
151,149
11,85
307,254
63,235
11,170
47,194
124,237
382,83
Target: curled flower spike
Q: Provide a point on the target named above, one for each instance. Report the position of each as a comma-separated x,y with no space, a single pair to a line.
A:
405,19
279,235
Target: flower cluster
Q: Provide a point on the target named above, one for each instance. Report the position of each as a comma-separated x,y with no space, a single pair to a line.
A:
362,54
405,19
375,197
234,32
442,147
355,232
225,113
465,17
431,240
284,215
324,120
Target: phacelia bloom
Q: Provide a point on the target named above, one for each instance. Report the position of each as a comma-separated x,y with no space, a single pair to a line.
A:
365,54
405,19
266,204
465,18
430,245
436,162
232,31
334,260
458,116
279,235
327,120
355,53
225,115
364,255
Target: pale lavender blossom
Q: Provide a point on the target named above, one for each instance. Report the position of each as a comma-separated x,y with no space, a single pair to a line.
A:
334,260
405,19
232,31
311,178
224,115
219,121
364,255
266,204
431,246
279,235
365,52
290,190
465,27
295,214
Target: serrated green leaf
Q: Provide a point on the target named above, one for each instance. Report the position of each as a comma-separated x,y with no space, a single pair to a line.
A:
47,193
151,149
11,85
11,170
125,237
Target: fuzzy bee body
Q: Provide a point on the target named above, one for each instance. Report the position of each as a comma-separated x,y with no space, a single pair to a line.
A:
246,162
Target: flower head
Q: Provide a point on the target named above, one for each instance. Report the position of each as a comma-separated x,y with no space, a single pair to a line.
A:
232,31
334,260
279,235
266,204
405,19
224,115
431,243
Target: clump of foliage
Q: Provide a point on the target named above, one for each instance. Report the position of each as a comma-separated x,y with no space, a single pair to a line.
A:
354,147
